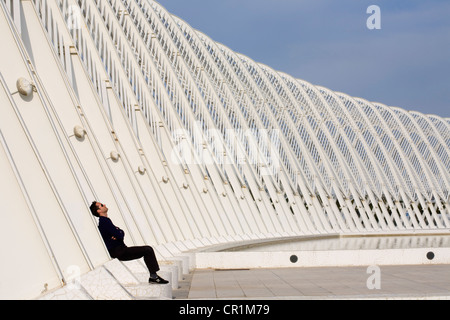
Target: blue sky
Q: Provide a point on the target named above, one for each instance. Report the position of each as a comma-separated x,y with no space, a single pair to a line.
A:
406,63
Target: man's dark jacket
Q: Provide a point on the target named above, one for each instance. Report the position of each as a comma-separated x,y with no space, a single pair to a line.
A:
112,235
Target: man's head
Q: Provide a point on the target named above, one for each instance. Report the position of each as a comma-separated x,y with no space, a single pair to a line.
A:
98,209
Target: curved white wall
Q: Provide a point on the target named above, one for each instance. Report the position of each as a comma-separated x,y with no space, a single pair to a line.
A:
212,146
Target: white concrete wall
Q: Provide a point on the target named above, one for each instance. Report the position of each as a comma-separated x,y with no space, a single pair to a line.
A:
320,258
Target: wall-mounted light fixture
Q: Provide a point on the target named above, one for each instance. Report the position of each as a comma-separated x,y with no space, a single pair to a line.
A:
79,132
141,169
24,87
114,155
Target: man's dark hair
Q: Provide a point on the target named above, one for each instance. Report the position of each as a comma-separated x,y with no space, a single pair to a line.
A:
94,208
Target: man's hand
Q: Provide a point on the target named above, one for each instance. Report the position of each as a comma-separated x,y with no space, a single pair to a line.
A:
114,238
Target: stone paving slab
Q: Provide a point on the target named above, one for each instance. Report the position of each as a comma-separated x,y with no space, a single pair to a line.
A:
384,282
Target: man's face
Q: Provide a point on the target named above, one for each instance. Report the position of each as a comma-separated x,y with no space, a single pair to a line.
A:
102,210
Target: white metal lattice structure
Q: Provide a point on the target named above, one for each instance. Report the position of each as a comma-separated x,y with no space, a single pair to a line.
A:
189,143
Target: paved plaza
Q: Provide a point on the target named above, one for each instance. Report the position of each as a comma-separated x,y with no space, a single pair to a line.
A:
387,282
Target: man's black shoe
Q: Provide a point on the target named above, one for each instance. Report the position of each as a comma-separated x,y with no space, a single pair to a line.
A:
158,280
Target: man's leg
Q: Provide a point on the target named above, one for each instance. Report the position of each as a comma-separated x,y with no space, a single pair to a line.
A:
132,253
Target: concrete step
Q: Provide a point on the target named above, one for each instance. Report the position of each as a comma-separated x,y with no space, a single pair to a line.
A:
113,281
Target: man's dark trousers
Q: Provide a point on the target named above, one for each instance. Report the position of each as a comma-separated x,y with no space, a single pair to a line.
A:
124,253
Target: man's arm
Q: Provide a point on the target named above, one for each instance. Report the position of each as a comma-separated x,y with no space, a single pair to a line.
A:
115,232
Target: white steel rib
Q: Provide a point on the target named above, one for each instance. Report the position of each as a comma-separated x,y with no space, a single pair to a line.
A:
188,142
